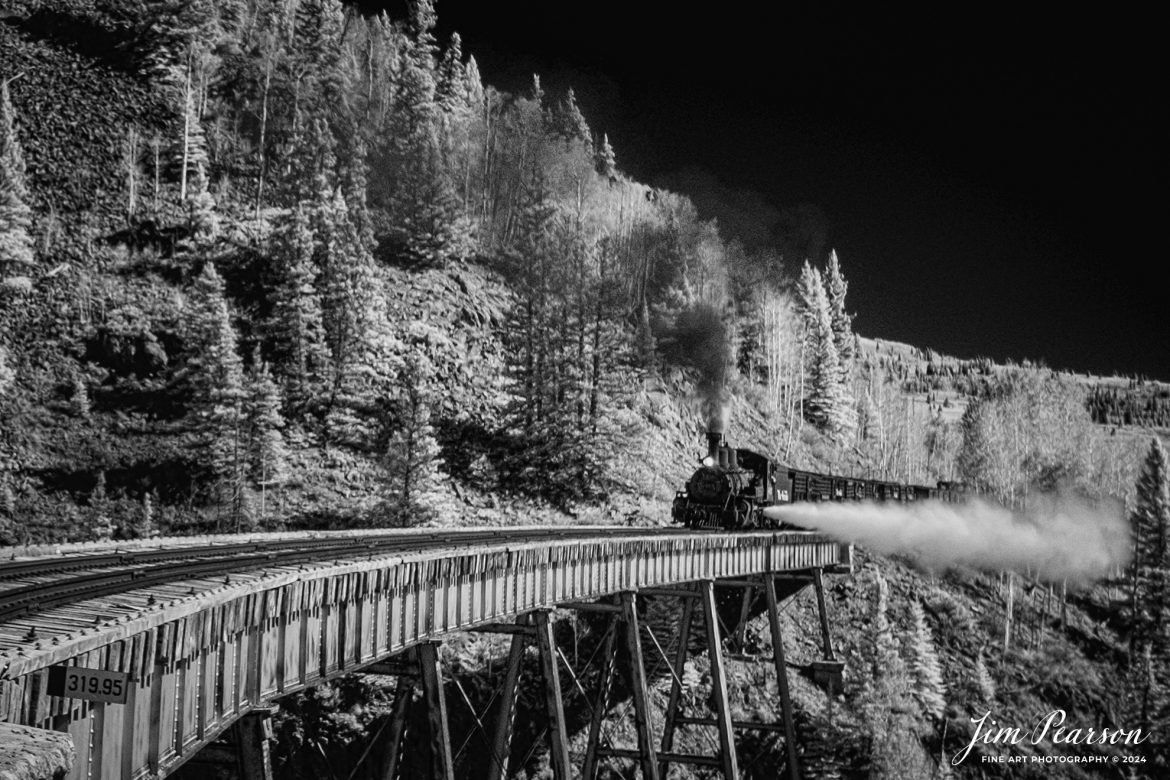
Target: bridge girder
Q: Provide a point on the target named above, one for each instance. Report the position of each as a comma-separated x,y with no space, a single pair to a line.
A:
199,663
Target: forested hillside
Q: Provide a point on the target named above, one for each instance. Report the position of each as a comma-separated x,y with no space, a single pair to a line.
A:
259,256
271,264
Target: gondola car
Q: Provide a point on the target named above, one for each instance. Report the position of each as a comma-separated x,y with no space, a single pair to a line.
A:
733,486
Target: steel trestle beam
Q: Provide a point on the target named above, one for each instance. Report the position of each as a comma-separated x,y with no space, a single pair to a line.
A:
826,637
680,659
729,761
781,677
592,747
442,764
641,689
558,737
392,747
506,714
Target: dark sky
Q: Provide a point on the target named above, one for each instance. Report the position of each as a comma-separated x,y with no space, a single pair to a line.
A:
993,179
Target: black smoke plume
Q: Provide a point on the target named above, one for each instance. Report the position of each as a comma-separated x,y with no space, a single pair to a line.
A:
700,339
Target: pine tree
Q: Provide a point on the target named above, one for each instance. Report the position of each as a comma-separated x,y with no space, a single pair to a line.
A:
982,682
977,452
567,123
809,288
216,379
887,661
100,509
322,84
451,86
828,405
412,459
146,525
8,524
829,401
310,172
1150,521
425,213
16,246
176,30
837,287
929,689
79,402
297,325
844,340
7,373
473,90
606,161
7,497
202,218
569,364
886,701
353,314
267,455
1150,592
530,321
355,190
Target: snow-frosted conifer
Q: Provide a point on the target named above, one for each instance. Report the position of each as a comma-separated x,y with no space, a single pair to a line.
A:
79,402
297,325
825,398
1150,523
983,682
201,214
837,287
828,402
217,384
606,160
426,219
267,454
451,86
412,455
16,245
929,689
568,123
807,295
886,700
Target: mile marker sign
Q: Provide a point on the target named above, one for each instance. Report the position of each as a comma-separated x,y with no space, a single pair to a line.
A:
76,682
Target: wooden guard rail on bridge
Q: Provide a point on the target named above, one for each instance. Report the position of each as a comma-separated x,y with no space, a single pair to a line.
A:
202,656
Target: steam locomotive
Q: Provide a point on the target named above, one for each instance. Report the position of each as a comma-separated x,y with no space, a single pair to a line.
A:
733,487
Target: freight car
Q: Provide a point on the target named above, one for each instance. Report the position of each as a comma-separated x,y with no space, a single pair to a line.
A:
733,486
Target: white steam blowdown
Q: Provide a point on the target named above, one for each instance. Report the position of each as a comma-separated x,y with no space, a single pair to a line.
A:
1057,537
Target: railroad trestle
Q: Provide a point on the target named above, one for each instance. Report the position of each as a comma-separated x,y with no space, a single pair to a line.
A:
208,656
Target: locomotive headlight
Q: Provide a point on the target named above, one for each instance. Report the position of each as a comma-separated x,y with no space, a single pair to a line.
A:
708,461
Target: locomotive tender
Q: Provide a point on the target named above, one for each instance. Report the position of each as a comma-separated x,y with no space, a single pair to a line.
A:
733,486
